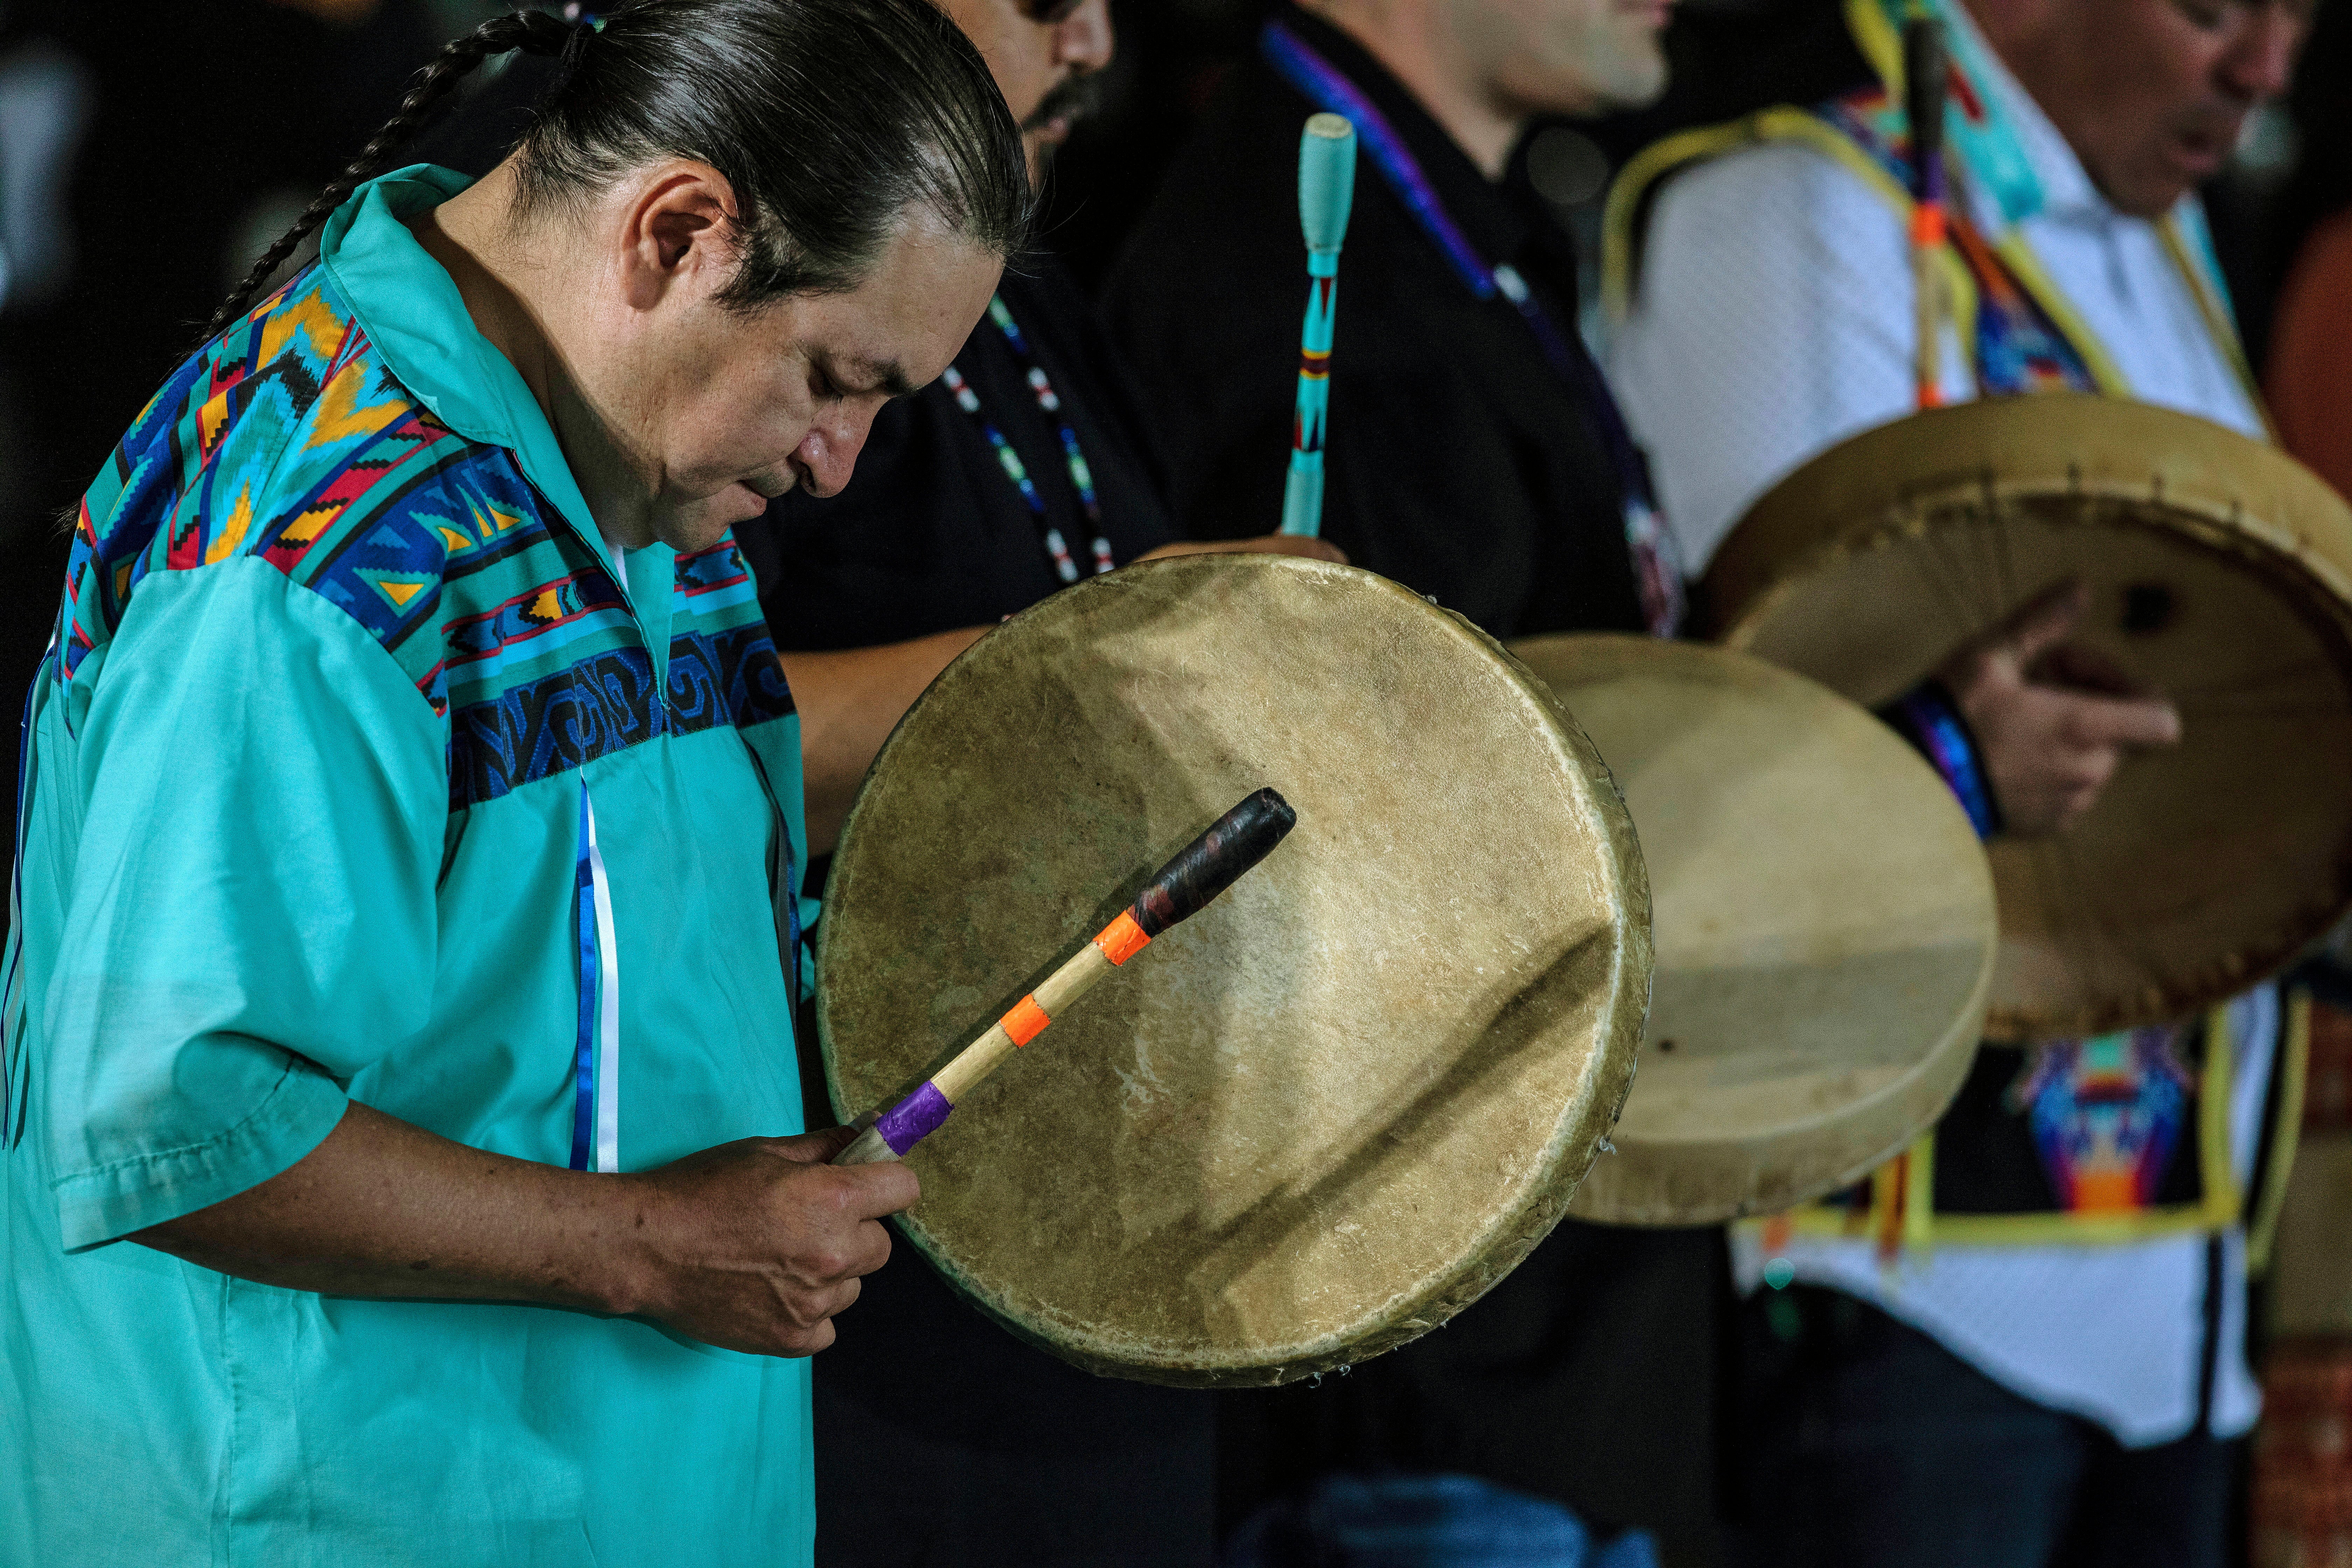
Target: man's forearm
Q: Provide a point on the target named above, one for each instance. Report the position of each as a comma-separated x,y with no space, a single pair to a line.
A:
753,1245
385,1208
849,701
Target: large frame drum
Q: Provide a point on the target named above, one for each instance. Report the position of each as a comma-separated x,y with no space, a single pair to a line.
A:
2220,572
1343,1101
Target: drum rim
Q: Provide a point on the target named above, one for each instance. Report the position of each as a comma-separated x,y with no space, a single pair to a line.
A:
1515,1233
1933,1079
2300,545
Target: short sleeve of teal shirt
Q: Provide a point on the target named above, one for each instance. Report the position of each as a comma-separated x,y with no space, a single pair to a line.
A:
252,902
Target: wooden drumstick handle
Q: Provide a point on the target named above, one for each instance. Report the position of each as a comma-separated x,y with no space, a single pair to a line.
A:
1200,871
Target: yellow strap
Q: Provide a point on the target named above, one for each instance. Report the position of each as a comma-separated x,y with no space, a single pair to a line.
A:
1880,44
2218,323
2223,1203
1619,263
1919,1219
1645,169
2286,1132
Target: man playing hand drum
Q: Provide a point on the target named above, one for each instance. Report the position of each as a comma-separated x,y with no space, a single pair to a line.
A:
399,1083
2057,1375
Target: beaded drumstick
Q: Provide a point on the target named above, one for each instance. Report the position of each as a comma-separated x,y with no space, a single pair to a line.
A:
1326,189
1200,870
1923,106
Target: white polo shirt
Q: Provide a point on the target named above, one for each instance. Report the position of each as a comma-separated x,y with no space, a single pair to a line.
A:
1773,318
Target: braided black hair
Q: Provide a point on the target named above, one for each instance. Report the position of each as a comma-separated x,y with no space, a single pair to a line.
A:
829,118
533,32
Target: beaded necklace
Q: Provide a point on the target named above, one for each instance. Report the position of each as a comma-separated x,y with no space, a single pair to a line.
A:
1082,478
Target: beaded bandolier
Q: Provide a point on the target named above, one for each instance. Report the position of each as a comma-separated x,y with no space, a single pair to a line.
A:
2015,345
2114,1138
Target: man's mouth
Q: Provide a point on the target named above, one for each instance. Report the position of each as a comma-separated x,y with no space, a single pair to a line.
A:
1074,99
756,493
2203,146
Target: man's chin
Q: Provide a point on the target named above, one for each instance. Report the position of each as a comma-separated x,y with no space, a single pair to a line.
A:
1627,74
698,525
1640,79
1041,144
2155,189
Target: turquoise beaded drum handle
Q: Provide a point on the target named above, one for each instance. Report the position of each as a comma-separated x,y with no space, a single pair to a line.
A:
1327,188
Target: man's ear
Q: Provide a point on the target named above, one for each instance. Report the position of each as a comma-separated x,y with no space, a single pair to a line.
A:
676,232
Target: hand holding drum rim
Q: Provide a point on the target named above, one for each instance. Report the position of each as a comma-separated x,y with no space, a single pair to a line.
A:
2054,720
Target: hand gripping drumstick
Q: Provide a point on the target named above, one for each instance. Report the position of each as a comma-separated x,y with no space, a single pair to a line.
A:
1923,108
1326,189
1200,870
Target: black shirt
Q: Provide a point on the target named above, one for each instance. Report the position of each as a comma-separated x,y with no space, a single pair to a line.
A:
1464,466
1459,461
931,533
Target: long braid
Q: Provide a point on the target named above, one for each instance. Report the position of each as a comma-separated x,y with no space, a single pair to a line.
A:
533,32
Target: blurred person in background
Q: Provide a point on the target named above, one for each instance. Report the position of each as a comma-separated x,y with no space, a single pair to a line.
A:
2031,1399
1478,456
1474,456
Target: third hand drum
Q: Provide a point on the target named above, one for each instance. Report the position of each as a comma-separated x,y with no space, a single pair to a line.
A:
1823,924
2220,574
1336,1105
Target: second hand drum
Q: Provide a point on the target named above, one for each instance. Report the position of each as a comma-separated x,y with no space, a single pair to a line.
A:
1336,1105
2219,572
1822,922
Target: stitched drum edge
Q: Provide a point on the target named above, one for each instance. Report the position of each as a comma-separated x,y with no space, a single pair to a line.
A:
2307,561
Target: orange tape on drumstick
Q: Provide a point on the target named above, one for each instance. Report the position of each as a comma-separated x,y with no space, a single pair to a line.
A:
1204,868
1025,1022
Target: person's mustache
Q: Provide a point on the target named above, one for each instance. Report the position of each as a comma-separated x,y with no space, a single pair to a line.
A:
1077,97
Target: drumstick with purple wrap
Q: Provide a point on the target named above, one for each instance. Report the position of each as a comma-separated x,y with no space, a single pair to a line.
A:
1200,871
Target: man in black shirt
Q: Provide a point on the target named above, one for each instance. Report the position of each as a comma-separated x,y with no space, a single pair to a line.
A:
1025,468
1474,454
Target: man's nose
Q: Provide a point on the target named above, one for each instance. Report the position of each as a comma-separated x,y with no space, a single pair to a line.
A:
828,453
2260,62
1084,41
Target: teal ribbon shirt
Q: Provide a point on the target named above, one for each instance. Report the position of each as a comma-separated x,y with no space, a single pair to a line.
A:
360,768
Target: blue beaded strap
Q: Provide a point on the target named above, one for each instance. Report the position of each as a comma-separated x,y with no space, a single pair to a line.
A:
1082,478
1929,718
